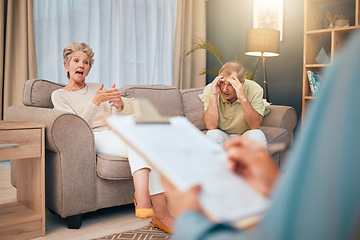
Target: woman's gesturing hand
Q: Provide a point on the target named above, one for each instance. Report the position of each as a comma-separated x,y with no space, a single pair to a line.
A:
118,104
111,95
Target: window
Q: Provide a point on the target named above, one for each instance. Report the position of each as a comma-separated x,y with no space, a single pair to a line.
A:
132,39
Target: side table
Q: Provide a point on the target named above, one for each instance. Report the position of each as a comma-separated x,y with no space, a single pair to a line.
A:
25,142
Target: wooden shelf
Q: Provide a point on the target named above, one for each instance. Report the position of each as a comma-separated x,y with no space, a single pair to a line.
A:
320,32
323,1
327,31
316,65
346,29
316,38
15,213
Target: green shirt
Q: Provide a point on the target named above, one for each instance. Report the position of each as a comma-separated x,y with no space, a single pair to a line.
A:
231,116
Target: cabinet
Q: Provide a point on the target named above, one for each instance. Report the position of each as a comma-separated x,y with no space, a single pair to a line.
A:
316,37
25,218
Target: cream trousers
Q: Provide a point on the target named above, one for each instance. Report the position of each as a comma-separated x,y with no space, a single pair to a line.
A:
220,136
109,143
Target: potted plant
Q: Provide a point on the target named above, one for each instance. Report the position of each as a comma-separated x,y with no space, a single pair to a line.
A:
215,50
341,21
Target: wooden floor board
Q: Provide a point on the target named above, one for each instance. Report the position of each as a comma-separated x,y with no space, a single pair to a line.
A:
96,224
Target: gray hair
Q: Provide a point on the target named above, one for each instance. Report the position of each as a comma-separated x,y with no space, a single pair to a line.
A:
231,67
75,47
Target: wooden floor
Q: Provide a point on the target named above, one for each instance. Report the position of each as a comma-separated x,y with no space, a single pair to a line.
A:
97,224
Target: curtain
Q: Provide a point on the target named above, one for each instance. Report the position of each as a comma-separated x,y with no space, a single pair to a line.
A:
17,51
132,40
190,24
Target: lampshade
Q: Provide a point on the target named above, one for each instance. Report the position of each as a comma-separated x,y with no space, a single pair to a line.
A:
262,41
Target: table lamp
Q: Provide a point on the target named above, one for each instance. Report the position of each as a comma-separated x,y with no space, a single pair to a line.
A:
262,42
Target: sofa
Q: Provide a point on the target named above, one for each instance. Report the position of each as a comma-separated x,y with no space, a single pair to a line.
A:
77,179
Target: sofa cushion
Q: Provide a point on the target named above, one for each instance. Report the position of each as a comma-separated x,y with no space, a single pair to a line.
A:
193,106
37,92
112,167
166,99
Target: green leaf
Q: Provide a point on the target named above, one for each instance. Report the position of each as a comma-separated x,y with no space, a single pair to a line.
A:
214,71
249,73
205,44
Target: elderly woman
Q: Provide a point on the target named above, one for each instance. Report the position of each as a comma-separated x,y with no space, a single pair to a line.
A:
93,102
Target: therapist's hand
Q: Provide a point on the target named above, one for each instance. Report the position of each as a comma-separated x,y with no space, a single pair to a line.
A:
253,163
180,202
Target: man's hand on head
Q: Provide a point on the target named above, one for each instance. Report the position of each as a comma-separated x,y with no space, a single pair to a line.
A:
238,86
216,85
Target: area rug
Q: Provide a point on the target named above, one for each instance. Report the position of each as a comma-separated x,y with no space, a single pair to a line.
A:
144,233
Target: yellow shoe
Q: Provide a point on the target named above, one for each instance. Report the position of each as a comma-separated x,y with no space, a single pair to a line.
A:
143,212
160,226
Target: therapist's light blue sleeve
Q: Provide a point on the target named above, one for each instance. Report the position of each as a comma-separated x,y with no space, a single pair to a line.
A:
194,226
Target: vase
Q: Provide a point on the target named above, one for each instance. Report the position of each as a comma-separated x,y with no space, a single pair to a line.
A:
342,23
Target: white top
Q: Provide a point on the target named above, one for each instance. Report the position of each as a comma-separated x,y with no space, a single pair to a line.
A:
79,103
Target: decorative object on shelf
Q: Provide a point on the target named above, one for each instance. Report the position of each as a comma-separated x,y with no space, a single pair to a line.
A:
268,14
324,23
314,82
341,21
322,57
262,42
215,50
331,19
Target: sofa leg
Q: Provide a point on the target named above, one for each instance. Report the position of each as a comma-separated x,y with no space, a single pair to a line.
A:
74,222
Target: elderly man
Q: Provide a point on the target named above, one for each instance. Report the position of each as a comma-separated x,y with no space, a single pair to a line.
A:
233,105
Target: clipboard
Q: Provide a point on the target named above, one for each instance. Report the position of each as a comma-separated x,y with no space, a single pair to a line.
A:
182,154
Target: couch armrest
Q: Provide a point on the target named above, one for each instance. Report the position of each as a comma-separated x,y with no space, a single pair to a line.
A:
70,158
283,117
